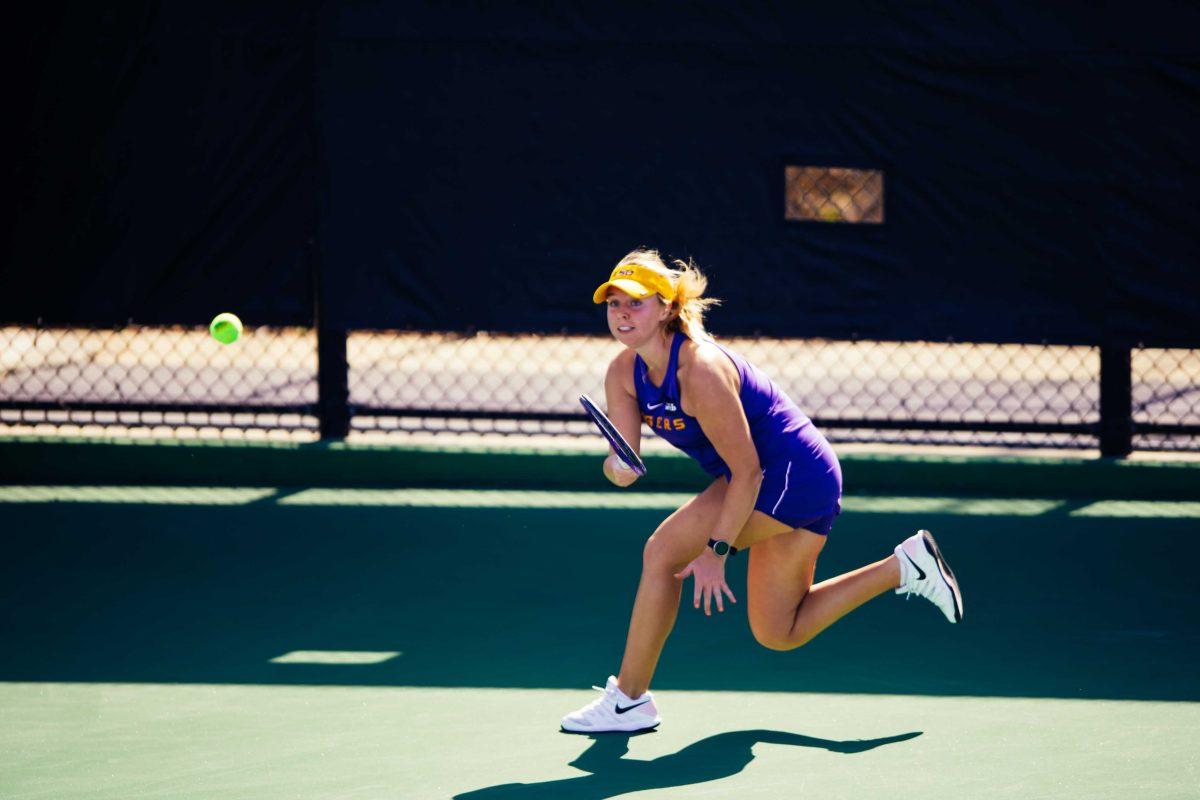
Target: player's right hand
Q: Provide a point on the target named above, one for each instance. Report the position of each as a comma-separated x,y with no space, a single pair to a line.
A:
618,472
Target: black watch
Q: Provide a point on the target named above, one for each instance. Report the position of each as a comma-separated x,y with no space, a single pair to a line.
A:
722,547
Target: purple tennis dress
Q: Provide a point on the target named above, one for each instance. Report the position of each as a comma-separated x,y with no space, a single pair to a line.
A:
802,480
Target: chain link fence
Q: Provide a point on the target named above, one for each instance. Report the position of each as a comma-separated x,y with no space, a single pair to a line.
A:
169,381
531,384
1166,399
833,194
177,381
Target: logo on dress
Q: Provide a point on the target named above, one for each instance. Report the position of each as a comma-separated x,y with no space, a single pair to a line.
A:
671,407
655,423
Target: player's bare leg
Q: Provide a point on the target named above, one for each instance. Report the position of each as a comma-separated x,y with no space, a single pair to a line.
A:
786,611
677,541
784,608
625,704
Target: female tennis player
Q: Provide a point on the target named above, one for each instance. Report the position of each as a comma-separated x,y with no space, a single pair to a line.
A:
776,490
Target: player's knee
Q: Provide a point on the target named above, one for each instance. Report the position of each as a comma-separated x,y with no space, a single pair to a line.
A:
776,637
780,643
654,553
658,555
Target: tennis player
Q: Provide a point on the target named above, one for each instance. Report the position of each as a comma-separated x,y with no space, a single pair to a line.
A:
776,490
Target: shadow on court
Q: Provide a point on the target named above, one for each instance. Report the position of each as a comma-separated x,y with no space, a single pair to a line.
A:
709,759
1056,605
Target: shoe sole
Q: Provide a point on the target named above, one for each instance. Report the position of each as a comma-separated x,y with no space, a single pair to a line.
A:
932,548
589,731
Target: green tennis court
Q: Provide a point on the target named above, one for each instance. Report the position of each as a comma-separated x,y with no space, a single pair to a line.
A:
423,643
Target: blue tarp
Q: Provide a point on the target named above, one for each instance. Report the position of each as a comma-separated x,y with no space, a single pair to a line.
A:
452,169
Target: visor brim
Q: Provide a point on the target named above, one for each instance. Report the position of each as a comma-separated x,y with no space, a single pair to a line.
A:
629,287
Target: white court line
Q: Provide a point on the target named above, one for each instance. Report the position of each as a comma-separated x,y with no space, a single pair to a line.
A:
356,657
541,499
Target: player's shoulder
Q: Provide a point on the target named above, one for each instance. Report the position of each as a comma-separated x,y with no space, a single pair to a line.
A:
701,361
622,361
620,368
703,354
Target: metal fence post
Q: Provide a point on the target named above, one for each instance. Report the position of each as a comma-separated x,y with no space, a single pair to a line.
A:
1116,400
333,381
333,387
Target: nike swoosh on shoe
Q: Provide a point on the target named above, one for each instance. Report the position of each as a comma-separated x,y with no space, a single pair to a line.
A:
918,569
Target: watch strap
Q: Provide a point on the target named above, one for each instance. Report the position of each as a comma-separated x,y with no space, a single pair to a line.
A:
713,544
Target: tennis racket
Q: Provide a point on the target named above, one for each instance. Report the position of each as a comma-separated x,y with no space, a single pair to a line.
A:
619,445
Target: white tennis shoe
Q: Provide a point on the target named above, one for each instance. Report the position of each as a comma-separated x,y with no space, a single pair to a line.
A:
613,711
925,573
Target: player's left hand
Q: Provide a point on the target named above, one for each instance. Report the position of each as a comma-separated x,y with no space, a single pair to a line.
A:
618,472
708,577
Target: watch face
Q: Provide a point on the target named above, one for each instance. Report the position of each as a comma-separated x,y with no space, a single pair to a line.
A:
720,548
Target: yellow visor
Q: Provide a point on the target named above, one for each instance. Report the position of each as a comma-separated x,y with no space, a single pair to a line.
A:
636,281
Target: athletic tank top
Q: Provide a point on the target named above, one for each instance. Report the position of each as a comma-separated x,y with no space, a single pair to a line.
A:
774,419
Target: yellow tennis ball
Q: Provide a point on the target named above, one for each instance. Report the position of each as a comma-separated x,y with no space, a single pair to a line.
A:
225,328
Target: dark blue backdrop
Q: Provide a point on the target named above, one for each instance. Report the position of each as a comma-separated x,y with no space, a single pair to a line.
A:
448,168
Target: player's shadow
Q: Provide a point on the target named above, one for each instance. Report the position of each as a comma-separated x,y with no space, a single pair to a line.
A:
709,759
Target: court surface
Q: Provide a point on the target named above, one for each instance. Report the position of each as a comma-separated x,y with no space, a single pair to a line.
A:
255,642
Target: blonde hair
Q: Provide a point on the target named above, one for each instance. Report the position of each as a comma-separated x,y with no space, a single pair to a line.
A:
690,305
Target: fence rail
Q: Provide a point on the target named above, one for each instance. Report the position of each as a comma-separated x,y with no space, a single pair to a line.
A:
331,384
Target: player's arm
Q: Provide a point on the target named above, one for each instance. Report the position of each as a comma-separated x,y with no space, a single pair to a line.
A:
621,398
712,395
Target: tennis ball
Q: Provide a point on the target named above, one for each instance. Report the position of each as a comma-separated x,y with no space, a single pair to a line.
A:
225,328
